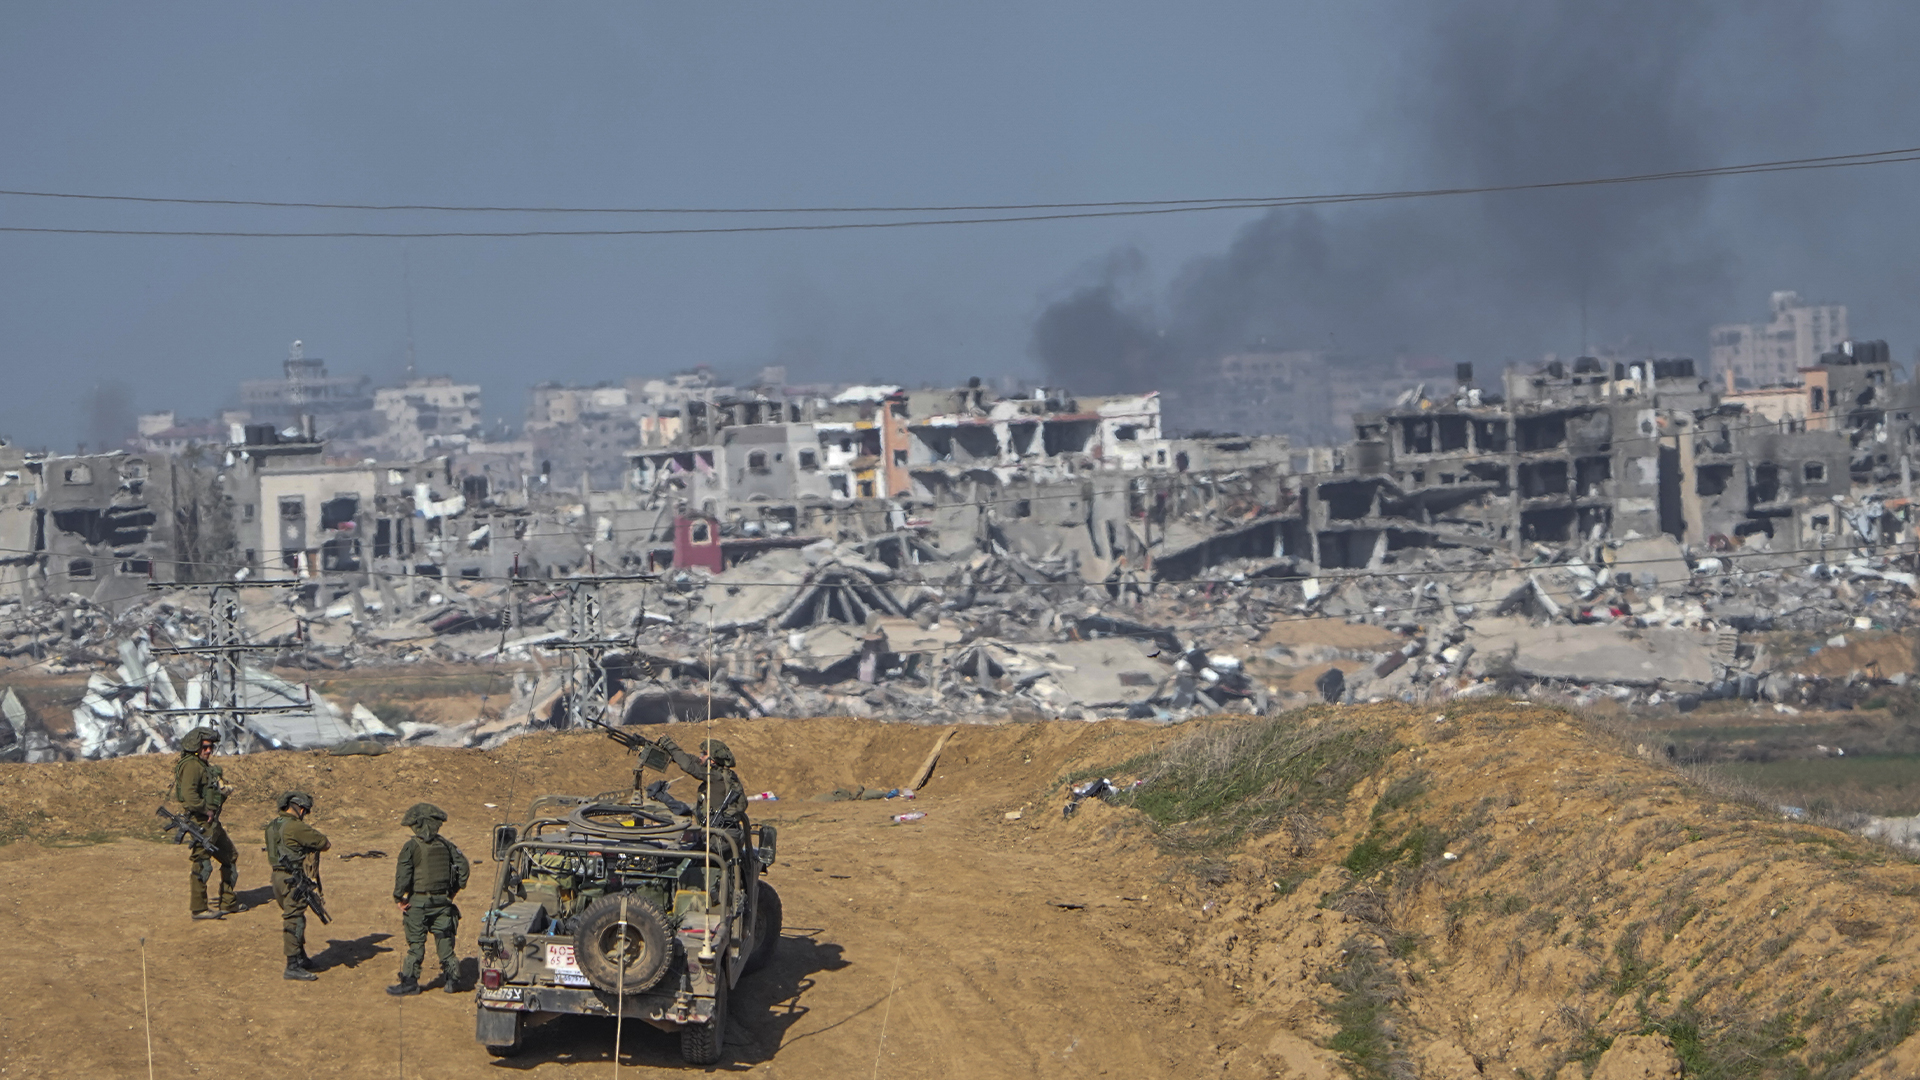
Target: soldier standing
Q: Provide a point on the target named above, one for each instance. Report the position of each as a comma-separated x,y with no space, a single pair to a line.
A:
290,843
431,871
722,801
196,783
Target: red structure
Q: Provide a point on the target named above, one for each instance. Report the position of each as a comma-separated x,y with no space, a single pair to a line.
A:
696,542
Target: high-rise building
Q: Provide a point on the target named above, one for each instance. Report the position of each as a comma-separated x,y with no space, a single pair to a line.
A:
1749,355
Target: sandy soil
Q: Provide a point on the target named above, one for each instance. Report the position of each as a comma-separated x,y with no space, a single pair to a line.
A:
932,949
1534,889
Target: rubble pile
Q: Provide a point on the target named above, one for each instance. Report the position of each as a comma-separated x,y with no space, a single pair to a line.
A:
827,629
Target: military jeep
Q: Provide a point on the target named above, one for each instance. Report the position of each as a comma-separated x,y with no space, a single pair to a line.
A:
623,905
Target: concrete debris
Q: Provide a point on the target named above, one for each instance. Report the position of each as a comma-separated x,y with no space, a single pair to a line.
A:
851,627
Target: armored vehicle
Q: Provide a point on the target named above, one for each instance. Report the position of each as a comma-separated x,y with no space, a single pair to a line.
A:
624,904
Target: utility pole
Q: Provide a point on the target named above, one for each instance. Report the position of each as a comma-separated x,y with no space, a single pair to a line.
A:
589,643
226,645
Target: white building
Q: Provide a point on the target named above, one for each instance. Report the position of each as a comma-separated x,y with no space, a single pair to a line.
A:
433,413
1749,355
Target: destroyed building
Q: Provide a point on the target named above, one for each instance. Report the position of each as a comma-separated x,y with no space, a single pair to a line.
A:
97,525
1591,451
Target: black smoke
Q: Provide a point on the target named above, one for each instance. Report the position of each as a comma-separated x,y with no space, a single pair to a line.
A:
109,416
1492,92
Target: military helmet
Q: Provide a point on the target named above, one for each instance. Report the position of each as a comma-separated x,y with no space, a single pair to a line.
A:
717,750
197,737
296,798
422,811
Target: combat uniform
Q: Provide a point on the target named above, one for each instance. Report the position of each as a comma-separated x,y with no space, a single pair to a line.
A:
292,842
721,800
430,872
196,784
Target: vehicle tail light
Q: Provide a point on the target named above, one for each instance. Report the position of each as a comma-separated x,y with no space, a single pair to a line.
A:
490,978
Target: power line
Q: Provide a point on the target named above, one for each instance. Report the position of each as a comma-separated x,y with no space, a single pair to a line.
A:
1065,211
1256,200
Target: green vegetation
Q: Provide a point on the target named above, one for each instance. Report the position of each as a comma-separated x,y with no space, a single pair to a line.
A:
1367,991
1878,784
1224,783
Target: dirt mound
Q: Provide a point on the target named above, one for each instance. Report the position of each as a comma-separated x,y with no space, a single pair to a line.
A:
1495,890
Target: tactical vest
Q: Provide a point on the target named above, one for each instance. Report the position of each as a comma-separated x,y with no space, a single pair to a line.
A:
275,851
433,873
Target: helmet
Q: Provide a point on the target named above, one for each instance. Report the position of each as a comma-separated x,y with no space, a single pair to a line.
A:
718,751
422,811
296,798
198,736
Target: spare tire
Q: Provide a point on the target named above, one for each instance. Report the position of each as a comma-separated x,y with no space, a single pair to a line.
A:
614,955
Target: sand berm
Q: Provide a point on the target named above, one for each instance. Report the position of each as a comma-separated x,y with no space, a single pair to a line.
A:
1496,890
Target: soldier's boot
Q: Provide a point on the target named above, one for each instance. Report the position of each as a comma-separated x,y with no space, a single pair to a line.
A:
296,972
207,914
450,980
407,985
303,960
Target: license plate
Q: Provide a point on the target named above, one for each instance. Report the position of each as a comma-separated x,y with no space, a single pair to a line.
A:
565,967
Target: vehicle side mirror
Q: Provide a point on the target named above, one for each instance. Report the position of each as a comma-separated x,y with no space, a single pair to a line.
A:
504,837
769,845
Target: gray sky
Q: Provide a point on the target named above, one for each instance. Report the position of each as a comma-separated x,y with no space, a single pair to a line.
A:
823,103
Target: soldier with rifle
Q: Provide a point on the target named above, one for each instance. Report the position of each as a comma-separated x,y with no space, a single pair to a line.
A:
196,783
721,801
294,847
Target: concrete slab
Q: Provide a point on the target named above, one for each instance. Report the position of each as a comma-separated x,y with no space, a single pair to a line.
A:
1104,673
1653,562
1593,653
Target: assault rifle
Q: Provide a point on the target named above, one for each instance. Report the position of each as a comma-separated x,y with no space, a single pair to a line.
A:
652,754
182,828
304,890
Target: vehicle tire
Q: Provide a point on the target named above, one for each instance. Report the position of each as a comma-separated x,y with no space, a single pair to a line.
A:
602,945
502,1032
703,1044
769,919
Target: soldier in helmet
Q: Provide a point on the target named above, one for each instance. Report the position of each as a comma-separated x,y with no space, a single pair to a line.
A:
291,841
429,874
196,783
721,801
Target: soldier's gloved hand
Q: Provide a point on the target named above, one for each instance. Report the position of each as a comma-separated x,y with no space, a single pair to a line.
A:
665,742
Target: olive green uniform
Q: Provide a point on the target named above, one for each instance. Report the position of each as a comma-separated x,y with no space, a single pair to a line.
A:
430,872
719,785
196,784
291,841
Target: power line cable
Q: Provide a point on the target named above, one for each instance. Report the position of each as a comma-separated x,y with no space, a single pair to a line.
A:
1827,161
1895,157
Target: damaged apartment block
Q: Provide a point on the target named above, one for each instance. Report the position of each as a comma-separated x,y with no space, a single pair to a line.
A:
97,525
1595,451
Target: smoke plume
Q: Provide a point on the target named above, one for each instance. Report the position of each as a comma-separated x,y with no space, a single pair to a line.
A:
1496,92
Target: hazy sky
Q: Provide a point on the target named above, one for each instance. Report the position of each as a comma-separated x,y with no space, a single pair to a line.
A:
772,104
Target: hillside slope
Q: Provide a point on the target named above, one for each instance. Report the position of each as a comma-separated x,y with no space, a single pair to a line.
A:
1302,921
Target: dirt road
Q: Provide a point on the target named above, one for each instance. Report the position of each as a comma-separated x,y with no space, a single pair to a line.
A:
939,948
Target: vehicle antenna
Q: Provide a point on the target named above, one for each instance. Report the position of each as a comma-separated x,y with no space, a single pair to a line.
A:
145,1008
706,945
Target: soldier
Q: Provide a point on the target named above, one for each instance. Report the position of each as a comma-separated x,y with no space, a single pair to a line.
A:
727,806
429,874
196,783
291,842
